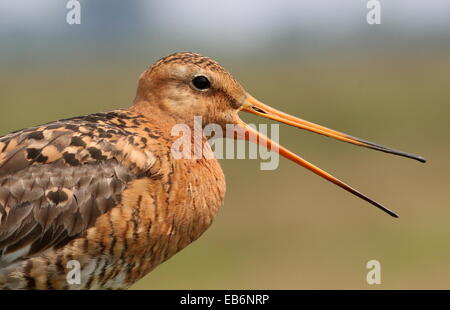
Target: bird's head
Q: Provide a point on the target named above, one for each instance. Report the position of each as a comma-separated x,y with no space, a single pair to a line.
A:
185,85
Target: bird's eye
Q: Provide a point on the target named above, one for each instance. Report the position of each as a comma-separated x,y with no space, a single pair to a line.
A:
201,82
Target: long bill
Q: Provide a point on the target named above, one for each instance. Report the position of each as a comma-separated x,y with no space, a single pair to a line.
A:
253,106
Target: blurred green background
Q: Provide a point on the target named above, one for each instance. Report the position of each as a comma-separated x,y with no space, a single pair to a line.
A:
320,60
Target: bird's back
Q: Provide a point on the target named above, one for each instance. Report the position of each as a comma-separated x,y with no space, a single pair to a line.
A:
102,191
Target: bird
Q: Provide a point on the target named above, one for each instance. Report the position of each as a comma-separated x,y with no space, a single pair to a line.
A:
104,195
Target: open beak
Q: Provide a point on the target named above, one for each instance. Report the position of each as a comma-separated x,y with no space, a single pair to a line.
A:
253,106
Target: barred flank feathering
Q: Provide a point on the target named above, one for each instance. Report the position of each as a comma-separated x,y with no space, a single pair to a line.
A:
103,190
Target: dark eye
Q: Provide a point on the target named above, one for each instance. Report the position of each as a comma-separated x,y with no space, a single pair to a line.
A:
201,82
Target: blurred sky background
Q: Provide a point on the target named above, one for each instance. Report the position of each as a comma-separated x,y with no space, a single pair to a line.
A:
318,59
229,27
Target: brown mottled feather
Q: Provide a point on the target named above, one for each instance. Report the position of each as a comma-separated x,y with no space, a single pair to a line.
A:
88,188
104,190
189,58
59,178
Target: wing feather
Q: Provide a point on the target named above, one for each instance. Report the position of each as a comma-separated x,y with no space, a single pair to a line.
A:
57,179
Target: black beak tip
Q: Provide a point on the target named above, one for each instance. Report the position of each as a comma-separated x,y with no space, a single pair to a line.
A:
421,159
390,212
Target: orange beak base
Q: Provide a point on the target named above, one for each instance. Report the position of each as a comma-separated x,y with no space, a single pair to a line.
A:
251,105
